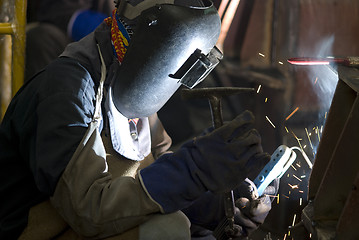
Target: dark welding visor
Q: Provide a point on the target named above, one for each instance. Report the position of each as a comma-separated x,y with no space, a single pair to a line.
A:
171,45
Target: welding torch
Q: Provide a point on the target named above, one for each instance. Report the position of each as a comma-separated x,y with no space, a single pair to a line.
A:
281,159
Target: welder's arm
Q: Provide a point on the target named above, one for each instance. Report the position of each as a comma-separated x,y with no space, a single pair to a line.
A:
216,162
97,206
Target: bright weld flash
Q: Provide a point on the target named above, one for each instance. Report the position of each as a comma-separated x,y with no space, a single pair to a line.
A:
309,63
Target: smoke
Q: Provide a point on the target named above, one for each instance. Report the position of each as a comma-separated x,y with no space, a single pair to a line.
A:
323,78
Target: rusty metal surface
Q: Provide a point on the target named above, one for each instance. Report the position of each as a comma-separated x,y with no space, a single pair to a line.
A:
350,76
343,167
333,210
341,106
342,170
348,223
320,230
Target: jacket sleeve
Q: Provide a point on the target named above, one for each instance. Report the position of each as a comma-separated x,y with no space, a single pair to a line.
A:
63,110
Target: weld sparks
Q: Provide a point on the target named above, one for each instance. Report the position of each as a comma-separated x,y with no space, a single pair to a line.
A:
270,122
295,215
311,145
316,80
317,131
297,178
293,186
290,115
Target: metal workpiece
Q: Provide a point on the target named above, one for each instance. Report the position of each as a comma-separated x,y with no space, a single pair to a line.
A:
341,105
351,61
350,76
333,185
320,230
347,227
341,171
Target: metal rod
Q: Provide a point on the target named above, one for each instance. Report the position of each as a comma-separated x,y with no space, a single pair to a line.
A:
19,46
6,28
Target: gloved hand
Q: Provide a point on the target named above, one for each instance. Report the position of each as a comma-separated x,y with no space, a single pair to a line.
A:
229,154
250,211
218,162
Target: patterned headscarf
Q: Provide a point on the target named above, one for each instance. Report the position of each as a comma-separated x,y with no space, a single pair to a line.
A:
120,37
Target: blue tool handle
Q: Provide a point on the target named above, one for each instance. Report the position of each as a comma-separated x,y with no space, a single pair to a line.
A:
280,161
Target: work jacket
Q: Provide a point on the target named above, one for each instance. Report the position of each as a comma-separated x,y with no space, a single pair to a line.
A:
44,125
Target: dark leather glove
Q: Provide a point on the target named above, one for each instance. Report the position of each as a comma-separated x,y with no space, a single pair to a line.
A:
218,162
250,210
207,212
229,154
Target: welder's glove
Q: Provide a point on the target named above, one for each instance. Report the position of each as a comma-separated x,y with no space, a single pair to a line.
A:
218,162
250,210
227,155
208,211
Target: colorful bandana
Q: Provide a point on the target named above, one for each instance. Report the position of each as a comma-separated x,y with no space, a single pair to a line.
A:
119,36
133,120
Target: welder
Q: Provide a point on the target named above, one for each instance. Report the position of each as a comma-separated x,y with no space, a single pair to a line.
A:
84,155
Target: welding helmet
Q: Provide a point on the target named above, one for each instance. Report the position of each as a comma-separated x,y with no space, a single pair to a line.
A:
173,44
